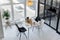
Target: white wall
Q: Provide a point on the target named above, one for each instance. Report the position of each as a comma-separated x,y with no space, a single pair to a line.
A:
1,27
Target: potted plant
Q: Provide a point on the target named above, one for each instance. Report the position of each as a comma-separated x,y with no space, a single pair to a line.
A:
6,16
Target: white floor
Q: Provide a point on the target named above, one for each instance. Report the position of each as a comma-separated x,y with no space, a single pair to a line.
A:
45,34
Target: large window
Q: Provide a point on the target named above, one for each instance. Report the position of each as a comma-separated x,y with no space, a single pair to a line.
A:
18,8
5,5
15,8
31,10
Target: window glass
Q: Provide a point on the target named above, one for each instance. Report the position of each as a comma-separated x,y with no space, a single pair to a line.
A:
18,11
42,1
18,1
41,8
54,3
31,10
48,2
54,21
58,1
4,1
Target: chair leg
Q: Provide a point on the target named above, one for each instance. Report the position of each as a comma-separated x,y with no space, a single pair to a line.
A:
25,34
20,36
38,28
32,28
28,33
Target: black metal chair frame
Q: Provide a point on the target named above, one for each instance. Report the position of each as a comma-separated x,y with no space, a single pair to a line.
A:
21,30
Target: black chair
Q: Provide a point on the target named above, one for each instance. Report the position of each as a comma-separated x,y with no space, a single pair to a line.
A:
21,30
38,19
53,9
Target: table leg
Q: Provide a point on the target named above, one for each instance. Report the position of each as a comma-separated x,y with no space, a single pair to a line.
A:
28,33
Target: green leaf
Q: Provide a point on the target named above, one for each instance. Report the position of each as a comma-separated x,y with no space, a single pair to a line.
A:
6,14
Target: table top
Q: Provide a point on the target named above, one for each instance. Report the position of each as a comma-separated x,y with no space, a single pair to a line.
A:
26,25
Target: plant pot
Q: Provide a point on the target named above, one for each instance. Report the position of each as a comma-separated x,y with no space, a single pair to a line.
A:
7,22
7,18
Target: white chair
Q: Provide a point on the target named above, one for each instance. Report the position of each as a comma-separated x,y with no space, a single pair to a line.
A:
40,24
34,25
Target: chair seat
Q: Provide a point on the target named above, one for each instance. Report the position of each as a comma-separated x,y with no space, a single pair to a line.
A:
22,29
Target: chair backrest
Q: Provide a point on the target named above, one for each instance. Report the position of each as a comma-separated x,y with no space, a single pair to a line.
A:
17,25
41,23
